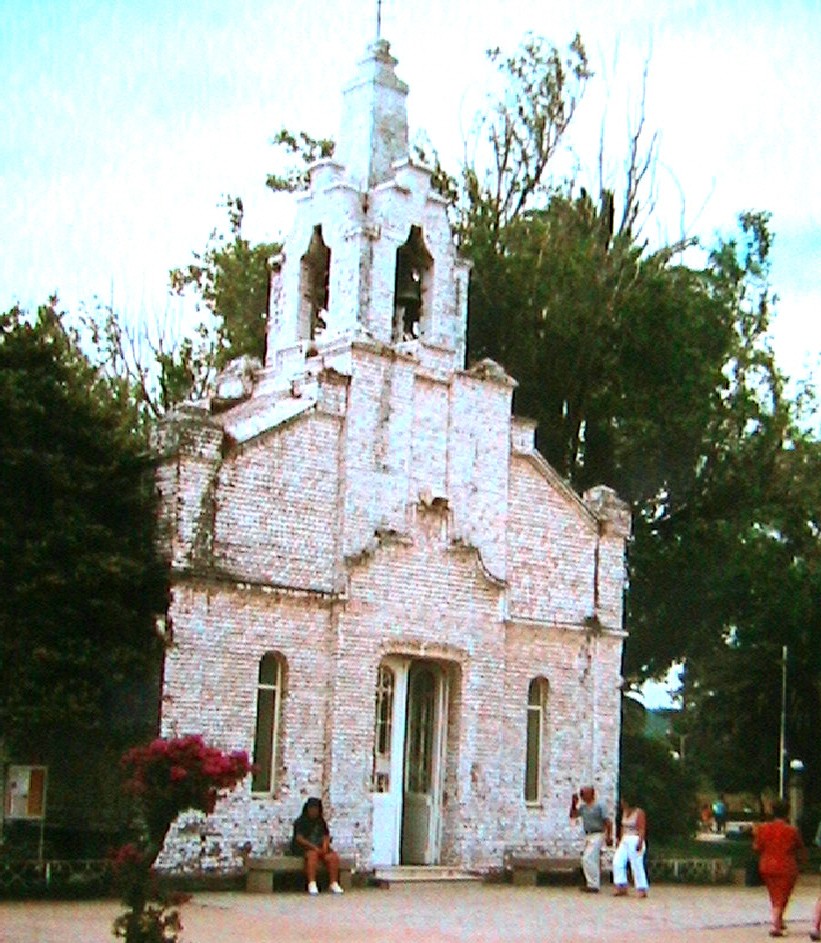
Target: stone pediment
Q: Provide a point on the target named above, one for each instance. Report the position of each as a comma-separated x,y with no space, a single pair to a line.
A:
423,520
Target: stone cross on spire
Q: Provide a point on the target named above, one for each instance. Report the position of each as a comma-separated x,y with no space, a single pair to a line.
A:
378,19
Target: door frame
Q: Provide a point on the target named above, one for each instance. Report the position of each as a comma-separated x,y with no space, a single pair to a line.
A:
388,807
439,763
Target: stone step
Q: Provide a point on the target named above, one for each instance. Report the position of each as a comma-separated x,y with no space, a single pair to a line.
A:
406,873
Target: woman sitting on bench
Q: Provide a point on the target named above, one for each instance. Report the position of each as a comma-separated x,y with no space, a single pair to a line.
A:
313,840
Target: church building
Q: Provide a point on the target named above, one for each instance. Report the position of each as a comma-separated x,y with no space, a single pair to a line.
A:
380,589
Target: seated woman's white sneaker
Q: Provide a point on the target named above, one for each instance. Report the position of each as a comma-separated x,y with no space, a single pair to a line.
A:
336,888
312,888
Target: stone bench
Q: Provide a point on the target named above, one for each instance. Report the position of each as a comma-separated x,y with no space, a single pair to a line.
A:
525,869
260,872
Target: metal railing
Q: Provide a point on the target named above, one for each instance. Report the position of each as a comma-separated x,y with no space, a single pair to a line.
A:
24,877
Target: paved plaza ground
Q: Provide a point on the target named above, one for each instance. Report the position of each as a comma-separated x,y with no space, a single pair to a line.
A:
450,913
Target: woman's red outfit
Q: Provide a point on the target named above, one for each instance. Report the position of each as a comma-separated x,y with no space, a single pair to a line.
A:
778,844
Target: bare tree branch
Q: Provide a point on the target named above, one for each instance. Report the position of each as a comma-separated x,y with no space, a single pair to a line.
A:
528,124
641,160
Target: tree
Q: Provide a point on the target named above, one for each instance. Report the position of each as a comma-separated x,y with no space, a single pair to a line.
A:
593,328
652,777
761,576
300,150
153,367
80,578
655,377
232,277
524,130
590,322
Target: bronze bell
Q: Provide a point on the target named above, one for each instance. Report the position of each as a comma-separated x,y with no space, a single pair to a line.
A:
408,290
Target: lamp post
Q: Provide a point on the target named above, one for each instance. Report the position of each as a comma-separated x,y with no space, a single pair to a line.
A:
796,791
782,744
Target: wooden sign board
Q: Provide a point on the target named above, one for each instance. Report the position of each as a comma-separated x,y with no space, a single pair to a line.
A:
25,796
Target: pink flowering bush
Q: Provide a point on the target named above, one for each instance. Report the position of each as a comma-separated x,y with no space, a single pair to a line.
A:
165,778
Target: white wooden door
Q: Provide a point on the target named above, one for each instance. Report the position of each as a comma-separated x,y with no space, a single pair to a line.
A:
389,755
424,764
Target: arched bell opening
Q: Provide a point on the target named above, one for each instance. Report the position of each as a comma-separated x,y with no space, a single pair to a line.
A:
412,287
315,281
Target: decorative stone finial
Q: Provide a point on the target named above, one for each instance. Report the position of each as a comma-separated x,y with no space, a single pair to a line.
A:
374,131
610,509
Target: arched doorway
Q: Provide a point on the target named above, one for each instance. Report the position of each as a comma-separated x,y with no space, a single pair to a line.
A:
411,701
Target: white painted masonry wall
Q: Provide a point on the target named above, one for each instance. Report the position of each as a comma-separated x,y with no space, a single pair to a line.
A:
374,498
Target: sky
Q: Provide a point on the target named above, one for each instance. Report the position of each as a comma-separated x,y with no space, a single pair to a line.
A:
125,122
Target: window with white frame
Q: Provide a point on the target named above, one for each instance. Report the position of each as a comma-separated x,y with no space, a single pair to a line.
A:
536,727
383,727
269,698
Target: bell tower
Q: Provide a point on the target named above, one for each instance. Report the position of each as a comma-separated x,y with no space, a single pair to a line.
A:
371,254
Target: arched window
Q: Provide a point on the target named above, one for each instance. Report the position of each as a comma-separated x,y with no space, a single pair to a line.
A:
536,726
382,729
269,699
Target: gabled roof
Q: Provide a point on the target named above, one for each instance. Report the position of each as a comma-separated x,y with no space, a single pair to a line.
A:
259,414
549,473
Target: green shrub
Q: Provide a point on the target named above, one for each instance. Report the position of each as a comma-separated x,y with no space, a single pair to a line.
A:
663,786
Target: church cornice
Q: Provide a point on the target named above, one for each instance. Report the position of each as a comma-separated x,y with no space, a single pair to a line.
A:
580,628
459,545
252,429
216,576
381,349
491,371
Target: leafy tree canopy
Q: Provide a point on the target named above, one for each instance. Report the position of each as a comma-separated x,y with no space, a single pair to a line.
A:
306,149
232,277
80,581
156,366
662,785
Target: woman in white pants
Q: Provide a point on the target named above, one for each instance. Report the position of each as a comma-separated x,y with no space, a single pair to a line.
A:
631,848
